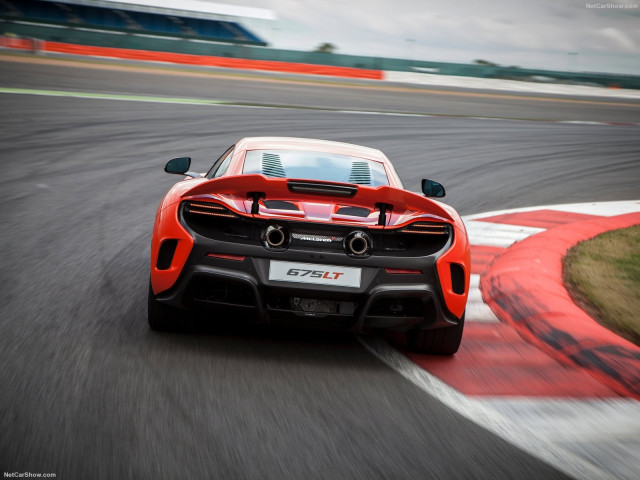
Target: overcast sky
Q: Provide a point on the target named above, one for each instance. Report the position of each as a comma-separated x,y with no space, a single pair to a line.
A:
551,34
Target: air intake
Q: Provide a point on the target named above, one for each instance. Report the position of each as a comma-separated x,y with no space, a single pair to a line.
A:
457,279
165,255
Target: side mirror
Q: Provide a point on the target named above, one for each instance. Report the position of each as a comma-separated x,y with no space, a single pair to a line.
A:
431,188
178,165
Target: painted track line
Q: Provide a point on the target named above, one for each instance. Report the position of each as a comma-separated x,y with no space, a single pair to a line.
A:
497,234
236,104
111,96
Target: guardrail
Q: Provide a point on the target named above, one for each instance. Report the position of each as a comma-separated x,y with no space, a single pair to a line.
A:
187,59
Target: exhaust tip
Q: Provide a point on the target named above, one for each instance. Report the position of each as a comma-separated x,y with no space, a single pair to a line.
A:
275,236
358,244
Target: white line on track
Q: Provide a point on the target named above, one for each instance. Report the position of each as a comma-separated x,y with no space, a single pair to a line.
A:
605,209
497,234
111,96
231,103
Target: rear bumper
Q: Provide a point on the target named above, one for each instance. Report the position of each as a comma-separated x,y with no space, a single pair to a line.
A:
226,288
226,273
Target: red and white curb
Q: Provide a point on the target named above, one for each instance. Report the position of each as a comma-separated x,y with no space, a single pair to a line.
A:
516,386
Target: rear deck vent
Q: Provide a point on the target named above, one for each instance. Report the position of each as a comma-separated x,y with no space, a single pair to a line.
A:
360,173
272,166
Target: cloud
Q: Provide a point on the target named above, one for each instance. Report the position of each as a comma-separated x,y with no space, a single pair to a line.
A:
619,39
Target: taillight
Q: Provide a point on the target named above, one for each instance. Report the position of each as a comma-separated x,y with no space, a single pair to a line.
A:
212,209
426,228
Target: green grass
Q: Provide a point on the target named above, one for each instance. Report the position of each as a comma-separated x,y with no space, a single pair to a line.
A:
603,276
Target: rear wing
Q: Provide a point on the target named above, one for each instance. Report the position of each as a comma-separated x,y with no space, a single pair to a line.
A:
256,187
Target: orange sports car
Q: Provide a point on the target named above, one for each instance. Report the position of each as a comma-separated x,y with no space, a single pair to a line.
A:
303,231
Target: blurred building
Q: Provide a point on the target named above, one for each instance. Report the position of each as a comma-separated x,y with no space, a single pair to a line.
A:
186,19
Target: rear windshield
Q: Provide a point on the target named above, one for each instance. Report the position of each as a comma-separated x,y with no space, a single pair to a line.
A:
315,166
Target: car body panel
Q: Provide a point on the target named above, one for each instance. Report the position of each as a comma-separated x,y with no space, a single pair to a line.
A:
302,205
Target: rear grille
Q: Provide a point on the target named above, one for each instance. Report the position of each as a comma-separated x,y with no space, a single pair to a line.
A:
219,223
216,222
416,239
320,231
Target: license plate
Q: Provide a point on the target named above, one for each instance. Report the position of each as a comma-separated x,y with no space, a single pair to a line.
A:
316,274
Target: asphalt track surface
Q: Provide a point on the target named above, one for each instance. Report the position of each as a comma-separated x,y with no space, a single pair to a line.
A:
88,391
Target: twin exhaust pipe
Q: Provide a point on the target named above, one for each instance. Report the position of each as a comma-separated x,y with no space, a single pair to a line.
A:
275,237
356,244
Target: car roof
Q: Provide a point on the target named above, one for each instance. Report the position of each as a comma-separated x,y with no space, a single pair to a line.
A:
310,144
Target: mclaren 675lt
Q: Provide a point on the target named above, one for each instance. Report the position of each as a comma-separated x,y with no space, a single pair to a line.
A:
302,231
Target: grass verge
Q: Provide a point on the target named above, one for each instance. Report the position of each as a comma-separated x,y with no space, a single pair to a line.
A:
603,276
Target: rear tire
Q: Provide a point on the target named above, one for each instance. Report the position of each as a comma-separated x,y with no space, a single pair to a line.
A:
440,341
161,317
